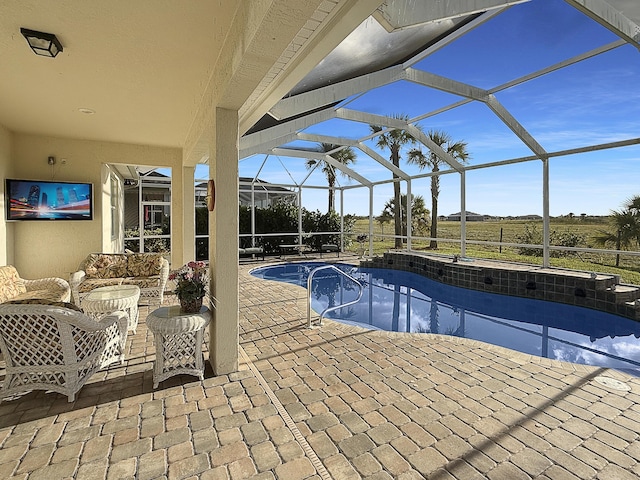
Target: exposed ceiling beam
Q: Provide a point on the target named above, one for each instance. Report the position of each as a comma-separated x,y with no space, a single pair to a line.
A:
515,126
383,161
445,84
401,14
474,93
443,42
336,92
609,17
312,137
394,123
260,142
290,152
526,78
277,83
435,148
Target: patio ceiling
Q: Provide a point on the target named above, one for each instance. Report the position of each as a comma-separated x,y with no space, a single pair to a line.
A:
151,69
326,93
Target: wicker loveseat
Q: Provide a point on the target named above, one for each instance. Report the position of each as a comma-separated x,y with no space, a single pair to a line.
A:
12,287
149,271
56,347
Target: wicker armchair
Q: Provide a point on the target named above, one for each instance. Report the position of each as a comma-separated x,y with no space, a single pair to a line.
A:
55,347
12,287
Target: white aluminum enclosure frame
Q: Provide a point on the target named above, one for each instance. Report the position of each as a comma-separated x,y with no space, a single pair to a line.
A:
274,140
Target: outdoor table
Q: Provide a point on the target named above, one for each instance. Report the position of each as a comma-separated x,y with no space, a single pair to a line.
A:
102,301
178,337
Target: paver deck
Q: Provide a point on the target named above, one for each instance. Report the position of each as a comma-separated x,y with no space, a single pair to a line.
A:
336,402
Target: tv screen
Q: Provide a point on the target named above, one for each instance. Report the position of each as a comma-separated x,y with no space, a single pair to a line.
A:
48,200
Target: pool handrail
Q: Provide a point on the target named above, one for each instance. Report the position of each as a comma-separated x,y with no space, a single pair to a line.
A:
329,309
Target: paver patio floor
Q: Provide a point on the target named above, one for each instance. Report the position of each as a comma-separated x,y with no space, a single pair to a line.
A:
336,402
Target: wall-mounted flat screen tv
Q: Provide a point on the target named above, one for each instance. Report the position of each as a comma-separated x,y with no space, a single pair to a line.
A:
48,200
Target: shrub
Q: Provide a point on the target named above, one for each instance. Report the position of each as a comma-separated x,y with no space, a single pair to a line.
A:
160,245
532,236
283,217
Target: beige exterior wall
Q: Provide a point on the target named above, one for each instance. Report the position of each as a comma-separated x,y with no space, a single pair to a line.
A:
6,229
43,249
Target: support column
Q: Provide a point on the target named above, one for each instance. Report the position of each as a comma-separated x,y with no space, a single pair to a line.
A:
342,220
300,217
409,214
371,221
188,215
545,212
223,241
178,214
463,214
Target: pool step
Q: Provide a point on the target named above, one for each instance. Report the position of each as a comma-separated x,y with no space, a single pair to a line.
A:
623,293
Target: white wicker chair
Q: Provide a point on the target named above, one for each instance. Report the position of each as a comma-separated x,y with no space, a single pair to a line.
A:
48,347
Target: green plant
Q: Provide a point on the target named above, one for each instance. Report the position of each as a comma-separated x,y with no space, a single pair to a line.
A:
533,236
283,217
191,281
625,228
395,140
419,213
457,151
341,154
132,240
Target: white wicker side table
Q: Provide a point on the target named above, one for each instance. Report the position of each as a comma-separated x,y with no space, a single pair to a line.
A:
178,337
104,300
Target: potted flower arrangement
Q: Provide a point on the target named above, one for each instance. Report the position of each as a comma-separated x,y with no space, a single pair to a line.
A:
191,285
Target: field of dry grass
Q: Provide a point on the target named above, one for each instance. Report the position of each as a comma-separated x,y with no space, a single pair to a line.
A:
509,231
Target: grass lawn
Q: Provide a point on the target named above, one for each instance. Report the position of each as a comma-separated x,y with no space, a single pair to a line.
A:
510,230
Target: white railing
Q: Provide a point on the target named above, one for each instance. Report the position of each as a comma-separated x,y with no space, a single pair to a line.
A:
329,309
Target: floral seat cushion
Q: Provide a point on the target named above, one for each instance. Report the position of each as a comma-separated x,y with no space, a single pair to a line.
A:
38,296
148,271
11,285
143,265
99,265
91,283
41,301
142,282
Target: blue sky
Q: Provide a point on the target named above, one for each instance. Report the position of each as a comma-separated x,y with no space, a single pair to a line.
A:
595,101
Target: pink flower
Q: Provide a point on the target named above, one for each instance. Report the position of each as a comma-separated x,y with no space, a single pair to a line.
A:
191,280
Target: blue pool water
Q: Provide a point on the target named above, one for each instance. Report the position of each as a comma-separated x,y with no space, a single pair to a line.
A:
400,301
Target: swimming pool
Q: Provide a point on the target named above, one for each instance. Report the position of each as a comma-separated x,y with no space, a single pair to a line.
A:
401,301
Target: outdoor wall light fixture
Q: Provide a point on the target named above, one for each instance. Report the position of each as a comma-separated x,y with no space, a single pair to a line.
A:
44,44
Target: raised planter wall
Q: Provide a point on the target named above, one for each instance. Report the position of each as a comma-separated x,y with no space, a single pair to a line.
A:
597,291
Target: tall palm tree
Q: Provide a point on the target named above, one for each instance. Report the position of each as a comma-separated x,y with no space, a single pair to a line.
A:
457,150
345,156
394,140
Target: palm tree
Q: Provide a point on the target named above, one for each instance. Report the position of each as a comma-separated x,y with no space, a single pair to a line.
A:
458,150
419,212
394,140
345,156
384,217
626,226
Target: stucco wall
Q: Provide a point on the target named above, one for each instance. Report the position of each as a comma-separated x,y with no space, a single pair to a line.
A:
45,249
6,229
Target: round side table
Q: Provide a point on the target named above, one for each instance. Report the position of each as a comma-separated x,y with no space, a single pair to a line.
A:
178,337
103,300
